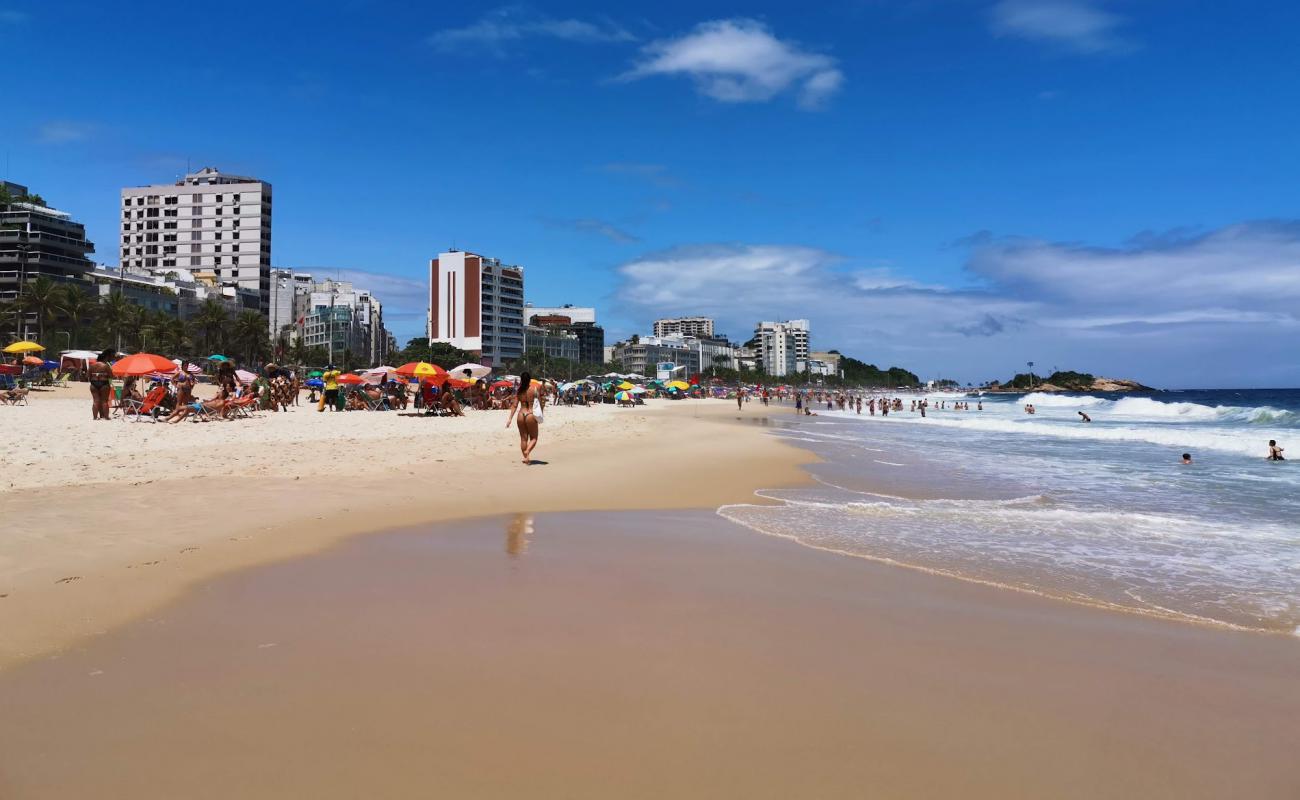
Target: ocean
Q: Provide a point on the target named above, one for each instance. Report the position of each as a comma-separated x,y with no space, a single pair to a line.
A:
1101,513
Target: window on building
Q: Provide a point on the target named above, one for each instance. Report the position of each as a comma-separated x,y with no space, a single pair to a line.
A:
196,198
195,261
218,198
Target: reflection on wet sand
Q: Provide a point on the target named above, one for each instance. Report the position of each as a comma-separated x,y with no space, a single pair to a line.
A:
518,531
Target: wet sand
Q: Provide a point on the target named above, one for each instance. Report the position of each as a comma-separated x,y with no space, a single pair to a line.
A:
649,654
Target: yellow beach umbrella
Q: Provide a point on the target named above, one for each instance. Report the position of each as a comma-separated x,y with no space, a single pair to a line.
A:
682,385
625,385
24,347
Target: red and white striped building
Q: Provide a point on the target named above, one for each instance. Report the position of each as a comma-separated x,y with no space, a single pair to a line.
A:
477,304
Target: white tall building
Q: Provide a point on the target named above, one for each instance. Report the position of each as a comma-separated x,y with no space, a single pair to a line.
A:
780,346
208,221
699,327
286,287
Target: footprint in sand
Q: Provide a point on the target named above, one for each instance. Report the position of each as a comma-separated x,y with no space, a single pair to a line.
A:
69,579
188,549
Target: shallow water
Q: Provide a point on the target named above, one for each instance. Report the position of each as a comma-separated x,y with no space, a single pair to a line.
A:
1102,513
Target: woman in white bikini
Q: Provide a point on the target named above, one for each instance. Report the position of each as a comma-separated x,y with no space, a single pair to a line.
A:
526,412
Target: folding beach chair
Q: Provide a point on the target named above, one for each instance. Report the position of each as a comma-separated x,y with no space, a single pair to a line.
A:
148,407
14,397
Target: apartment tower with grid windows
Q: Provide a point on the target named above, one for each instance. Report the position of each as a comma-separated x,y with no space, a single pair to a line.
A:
207,222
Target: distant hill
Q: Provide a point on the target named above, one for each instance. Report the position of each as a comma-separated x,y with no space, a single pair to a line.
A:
1068,382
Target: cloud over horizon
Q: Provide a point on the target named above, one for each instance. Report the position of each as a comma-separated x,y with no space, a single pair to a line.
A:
741,61
1163,305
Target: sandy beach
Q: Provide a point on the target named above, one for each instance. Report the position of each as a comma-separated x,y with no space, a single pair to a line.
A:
190,611
103,521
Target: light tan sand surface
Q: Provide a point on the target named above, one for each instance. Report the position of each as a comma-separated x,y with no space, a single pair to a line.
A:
643,655
102,521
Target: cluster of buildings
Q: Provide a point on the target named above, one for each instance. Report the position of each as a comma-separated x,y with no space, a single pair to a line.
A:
206,237
690,345
476,303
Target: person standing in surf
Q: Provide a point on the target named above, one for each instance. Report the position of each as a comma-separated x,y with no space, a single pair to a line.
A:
526,412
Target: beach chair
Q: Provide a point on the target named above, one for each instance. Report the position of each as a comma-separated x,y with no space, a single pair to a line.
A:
242,407
148,407
15,396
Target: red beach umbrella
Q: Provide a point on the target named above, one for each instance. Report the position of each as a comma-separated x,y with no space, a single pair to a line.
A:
351,380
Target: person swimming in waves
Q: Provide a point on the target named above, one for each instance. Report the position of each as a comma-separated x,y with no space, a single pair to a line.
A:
1187,458
527,413
1084,417
1274,452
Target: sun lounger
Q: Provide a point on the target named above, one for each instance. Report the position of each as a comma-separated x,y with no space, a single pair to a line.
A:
14,397
146,408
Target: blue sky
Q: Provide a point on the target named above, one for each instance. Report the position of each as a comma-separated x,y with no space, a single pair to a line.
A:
953,186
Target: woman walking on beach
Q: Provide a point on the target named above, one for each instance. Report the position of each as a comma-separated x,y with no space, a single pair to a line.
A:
526,412
101,374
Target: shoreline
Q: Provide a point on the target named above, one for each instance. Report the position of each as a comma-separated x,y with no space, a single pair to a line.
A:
79,560
642,654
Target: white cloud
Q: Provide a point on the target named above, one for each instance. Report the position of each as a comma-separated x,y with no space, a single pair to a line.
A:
1180,309
62,132
512,24
740,61
1078,25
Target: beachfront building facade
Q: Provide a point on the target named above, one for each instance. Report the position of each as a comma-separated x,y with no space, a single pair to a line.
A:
175,291
576,320
698,327
345,321
207,220
780,346
552,342
477,304
643,355
287,287
776,349
37,241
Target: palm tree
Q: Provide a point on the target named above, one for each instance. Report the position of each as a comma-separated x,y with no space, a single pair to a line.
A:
134,330
114,317
209,324
42,297
250,334
8,314
79,308
174,336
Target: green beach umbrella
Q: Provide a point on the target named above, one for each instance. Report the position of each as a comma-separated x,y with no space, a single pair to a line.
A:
315,373
215,357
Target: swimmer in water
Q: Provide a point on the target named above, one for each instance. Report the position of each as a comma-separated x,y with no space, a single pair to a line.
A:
1274,452
1187,458
1085,417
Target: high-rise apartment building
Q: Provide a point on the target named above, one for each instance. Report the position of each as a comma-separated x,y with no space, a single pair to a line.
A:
207,220
780,346
477,304
283,309
37,241
699,327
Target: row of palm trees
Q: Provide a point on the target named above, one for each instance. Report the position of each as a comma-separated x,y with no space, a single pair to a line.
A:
113,321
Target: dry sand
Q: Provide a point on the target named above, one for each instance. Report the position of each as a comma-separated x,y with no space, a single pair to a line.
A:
103,521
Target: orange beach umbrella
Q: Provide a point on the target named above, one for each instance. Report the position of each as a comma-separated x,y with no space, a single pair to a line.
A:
143,364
